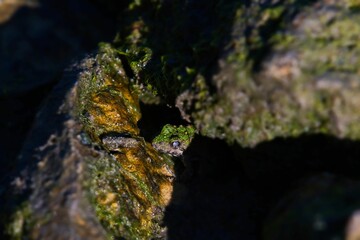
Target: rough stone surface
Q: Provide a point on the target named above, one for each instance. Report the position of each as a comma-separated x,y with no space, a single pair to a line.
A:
291,75
48,195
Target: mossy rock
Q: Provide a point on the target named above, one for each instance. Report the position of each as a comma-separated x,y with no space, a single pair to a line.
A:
249,73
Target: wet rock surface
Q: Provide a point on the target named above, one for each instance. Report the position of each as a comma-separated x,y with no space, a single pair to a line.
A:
47,194
132,184
271,88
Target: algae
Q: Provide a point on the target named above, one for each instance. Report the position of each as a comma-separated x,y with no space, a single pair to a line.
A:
130,183
20,222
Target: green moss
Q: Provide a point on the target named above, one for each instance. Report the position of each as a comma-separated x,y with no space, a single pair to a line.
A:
335,47
20,222
353,4
128,193
106,102
108,191
353,131
129,182
288,83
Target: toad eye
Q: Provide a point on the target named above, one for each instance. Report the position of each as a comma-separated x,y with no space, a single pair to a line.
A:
175,144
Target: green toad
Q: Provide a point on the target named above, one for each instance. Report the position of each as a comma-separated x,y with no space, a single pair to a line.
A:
174,140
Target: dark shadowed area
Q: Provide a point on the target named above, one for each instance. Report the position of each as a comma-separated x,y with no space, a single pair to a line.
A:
234,193
37,42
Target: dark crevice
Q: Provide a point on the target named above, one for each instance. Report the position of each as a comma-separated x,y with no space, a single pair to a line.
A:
154,117
128,71
227,192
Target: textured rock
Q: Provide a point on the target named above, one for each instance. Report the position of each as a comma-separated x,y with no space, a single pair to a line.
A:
48,194
133,183
271,69
299,77
74,179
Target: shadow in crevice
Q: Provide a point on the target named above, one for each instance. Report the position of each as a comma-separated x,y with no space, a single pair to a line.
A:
184,36
211,198
154,117
291,158
232,189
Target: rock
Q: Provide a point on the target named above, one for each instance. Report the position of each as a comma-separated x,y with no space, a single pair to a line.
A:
48,194
291,74
132,184
74,183
270,69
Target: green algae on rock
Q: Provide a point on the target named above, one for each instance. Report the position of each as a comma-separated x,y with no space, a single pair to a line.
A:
304,78
270,70
105,102
20,222
130,191
131,184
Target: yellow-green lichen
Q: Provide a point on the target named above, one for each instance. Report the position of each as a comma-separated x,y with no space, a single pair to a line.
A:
130,191
353,4
130,183
18,225
106,102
